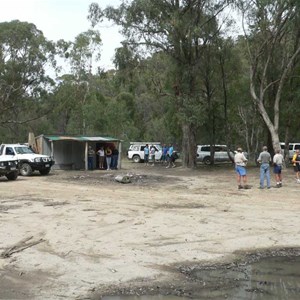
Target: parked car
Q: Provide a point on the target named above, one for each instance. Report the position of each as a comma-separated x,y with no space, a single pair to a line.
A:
221,154
9,167
136,151
292,148
28,160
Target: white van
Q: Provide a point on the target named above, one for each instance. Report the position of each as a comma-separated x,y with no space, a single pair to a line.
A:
292,148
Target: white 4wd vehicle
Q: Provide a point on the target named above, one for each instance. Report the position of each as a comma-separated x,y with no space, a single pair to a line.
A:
29,161
221,155
9,167
136,151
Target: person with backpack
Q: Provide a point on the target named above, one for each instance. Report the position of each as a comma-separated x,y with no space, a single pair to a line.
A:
171,157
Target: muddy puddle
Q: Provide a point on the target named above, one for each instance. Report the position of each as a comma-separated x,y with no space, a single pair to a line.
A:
269,278
159,297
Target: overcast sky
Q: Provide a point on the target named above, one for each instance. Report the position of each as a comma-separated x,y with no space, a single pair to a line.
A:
63,19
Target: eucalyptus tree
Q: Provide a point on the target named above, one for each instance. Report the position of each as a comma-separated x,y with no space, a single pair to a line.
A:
273,46
80,56
245,126
25,56
148,90
179,28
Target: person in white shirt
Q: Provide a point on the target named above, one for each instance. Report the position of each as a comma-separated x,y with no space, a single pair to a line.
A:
101,154
278,162
240,167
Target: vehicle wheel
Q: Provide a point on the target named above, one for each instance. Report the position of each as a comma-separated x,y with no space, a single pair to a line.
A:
136,158
12,175
45,171
207,160
25,169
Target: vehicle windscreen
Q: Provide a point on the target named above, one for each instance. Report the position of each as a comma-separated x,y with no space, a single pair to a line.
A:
23,150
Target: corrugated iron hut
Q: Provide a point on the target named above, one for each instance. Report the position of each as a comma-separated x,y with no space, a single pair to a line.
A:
71,152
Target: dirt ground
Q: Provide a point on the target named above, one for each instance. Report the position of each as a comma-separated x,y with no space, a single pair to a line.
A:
77,234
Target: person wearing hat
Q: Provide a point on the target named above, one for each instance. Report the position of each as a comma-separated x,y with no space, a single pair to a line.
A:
240,167
264,159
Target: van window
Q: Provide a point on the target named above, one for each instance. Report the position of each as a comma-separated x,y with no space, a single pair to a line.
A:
297,146
205,148
290,147
9,151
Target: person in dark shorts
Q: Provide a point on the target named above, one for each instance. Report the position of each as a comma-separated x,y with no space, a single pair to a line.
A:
171,158
146,154
278,162
296,164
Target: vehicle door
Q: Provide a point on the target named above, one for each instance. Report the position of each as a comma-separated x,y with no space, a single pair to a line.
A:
219,154
141,151
158,152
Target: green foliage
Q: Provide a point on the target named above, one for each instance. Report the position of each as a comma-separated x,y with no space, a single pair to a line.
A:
24,56
178,77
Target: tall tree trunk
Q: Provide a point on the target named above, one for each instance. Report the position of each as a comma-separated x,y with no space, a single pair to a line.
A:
189,147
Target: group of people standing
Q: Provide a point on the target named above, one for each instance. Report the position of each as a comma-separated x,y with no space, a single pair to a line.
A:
265,160
168,156
108,158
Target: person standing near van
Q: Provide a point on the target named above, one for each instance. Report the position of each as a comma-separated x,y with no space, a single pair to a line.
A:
152,155
278,162
171,160
264,159
146,154
165,150
296,164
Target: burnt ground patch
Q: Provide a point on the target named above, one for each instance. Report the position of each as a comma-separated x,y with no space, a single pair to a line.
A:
96,178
